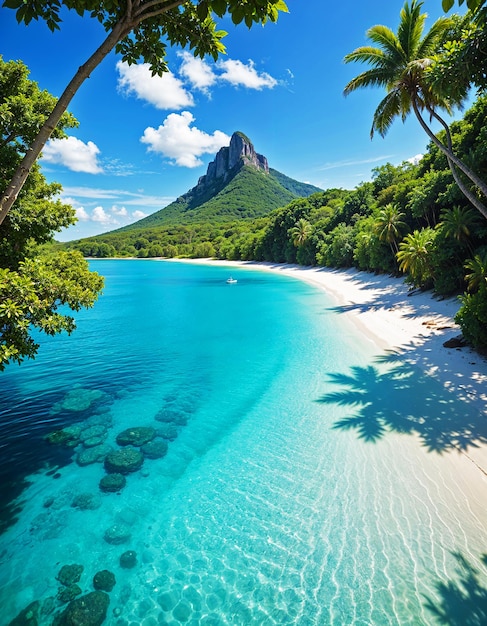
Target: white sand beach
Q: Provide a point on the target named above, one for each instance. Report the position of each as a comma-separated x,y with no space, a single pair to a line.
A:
413,325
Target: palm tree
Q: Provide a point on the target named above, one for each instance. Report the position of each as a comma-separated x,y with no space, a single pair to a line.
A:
389,226
458,223
414,255
300,232
478,272
399,64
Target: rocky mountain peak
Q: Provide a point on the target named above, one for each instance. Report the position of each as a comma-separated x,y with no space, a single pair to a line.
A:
240,152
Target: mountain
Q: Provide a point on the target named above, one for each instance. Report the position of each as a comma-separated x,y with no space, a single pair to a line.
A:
237,184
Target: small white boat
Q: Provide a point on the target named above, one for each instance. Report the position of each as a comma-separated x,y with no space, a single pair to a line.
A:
231,281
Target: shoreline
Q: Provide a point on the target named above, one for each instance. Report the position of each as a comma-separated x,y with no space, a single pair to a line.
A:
409,325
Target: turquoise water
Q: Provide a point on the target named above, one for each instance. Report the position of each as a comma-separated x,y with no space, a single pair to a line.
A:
307,479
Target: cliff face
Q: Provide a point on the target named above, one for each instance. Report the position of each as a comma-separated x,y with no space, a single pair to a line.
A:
240,152
238,185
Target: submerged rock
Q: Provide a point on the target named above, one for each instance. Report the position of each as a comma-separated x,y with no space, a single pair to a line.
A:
68,436
97,431
93,441
168,431
155,449
128,559
136,436
78,400
172,416
66,594
112,483
48,605
86,502
104,580
28,617
89,610
124,461
96,454
101,418
70,574
117,534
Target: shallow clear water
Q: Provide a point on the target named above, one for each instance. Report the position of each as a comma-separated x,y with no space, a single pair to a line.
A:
307,480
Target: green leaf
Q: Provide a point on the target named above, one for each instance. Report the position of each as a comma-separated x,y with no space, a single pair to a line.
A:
219,7
12,4
238,14
20,14
282,6
447,5
202,10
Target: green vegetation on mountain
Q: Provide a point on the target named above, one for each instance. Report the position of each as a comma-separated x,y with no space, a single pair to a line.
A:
249,193
300,190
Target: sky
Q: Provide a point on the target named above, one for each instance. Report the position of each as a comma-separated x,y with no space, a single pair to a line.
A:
143,141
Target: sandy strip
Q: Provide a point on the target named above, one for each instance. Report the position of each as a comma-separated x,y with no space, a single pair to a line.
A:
410,324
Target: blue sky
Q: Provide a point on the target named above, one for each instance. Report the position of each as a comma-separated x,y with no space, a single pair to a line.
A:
143,141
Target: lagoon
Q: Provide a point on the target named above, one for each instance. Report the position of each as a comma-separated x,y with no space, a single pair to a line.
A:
282,498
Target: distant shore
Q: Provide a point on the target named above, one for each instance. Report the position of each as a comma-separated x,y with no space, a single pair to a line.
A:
412,325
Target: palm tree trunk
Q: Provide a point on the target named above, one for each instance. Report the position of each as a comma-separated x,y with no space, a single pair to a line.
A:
453,160
463,188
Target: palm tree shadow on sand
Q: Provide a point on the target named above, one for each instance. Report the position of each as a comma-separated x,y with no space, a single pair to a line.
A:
403,399
462,602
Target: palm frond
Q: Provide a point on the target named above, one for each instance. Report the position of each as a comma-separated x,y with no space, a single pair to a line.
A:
411,27
387,40
370,78
389,108
429,43
400,63
366,54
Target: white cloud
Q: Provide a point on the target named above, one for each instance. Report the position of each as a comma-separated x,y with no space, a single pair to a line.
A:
73,154
109,217
337,164
175,140
128,198
238,74
82,214
164,92
68,200
89,192
415,159
122,211
100,215
197,71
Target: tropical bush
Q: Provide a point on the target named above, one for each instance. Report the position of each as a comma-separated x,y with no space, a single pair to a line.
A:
472,318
